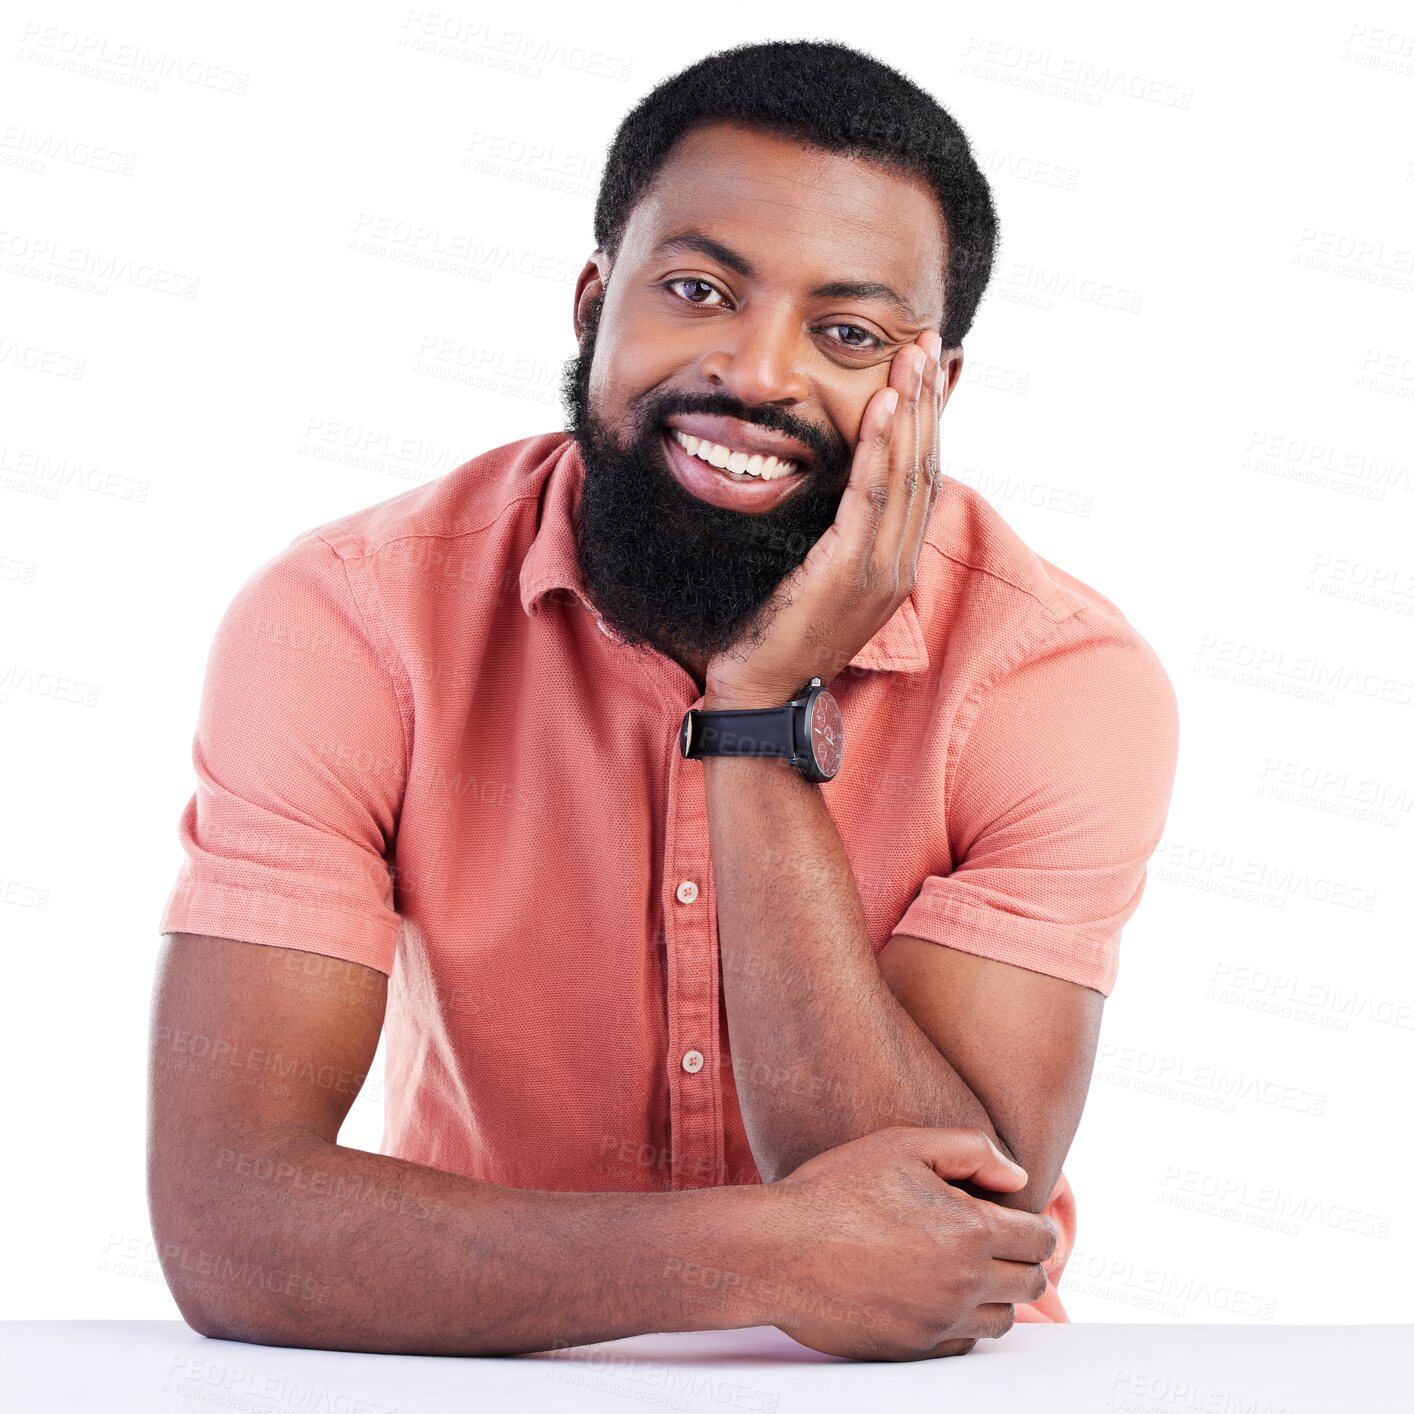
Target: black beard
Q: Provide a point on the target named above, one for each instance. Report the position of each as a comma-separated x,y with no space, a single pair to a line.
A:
667,570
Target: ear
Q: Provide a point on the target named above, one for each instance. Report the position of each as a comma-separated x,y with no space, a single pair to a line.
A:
589,288
950,362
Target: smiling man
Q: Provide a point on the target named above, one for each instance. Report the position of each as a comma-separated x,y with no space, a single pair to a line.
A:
732,818
729,234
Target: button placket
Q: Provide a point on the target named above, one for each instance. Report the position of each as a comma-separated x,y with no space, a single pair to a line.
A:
694,1084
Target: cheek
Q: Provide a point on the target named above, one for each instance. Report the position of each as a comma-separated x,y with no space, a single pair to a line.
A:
650,349
852,420
631,373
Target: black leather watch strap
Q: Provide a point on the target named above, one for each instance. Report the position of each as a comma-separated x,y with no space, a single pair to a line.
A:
759,731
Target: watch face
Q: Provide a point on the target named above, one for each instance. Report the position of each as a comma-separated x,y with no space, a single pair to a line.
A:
827,733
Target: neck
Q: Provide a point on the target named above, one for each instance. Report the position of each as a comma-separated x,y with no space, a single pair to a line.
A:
695,667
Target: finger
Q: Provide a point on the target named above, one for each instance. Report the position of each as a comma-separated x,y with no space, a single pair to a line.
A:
989,1321
946,377
921,508
903,456
856,518
935,466
952,1347
970,1154
1022,1237
1018,1282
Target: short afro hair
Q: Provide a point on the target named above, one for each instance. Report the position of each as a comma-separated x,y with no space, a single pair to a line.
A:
832,97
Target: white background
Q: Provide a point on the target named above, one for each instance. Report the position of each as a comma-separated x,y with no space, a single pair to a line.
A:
1190,385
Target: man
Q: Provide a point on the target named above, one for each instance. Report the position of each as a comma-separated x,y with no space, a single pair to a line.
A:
674,1040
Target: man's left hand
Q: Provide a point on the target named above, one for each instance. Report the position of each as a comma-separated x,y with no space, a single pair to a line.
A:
863,567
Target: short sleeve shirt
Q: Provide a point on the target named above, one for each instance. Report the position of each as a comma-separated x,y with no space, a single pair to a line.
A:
419,748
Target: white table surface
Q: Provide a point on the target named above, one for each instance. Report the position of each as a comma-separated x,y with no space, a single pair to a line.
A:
145,1367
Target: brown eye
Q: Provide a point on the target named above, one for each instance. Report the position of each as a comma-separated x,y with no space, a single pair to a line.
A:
692,280
873,341
877,344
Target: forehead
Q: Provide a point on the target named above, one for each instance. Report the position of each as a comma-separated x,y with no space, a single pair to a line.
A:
797,213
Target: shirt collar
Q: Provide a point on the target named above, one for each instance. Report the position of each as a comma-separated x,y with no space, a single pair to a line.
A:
551,565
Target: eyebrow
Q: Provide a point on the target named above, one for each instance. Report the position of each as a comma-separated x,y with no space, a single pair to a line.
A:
703,244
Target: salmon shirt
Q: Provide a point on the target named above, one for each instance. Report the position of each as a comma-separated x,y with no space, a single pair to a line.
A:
420,749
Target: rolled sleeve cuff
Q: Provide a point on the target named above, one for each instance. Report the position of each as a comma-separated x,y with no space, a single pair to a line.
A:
220,911
1037,944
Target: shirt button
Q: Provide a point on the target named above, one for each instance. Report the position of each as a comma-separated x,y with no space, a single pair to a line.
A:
692,1062
687,891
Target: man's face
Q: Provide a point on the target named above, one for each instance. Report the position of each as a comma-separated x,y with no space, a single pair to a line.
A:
675,554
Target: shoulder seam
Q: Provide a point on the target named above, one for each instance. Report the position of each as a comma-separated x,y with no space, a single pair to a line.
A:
971,706
1000,578
369,551
382,645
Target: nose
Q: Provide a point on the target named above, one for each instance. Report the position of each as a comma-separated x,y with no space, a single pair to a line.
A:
756,356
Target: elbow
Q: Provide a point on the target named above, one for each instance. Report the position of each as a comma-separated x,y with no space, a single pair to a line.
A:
208,1316
1042,1173
226,1264
211,1324
1031,1199
199,1310
190,1266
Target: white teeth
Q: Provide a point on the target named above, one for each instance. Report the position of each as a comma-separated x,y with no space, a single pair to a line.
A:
743,463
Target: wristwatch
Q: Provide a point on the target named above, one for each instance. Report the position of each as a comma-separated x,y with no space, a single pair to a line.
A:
808,731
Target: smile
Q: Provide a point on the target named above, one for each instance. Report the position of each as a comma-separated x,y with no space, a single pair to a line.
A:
719,484
741,464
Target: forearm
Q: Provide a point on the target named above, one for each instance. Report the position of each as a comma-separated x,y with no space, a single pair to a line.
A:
308,1243
822,1051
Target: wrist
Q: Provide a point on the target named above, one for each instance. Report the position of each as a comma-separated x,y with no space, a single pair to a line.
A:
770,1252
732,699
737,1280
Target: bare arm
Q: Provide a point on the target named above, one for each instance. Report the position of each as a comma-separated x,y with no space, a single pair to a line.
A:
920,1035
1022,1042
270,1231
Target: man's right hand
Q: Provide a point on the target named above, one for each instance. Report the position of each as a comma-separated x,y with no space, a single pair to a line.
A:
896,1263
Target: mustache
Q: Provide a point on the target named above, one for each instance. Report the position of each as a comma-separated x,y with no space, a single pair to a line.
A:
825,451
